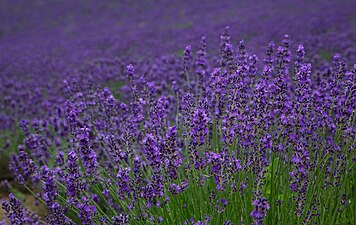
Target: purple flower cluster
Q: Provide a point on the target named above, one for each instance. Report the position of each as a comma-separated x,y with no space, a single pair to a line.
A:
17,214
260,211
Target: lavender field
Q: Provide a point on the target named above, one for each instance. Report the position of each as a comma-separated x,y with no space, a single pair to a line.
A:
178,112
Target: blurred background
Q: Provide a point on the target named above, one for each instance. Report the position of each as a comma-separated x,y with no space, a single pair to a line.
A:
73,32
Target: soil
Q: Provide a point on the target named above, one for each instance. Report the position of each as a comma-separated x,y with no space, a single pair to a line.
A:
4,167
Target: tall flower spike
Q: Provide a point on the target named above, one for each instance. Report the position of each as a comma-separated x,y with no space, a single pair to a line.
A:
201,63
130,72
300,58
130,76
88,155
241,55
74,186
187,58
224,41
201,54
269,60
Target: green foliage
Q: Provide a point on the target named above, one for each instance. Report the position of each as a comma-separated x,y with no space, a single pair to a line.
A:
325,55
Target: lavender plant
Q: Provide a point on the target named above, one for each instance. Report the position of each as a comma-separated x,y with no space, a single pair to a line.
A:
254,143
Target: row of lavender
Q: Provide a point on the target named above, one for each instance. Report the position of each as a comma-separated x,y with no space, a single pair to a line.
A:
52,40
223,140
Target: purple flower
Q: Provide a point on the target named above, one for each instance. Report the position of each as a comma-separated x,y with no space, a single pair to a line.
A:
15,212
260,210
86,211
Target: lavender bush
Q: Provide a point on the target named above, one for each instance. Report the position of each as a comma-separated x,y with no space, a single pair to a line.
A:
194,138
